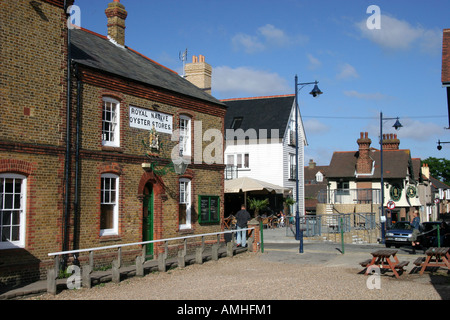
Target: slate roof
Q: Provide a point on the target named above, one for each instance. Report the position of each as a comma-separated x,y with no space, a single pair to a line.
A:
96,51
260,113
396,164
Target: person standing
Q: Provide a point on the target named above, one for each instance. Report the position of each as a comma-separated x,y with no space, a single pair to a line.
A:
415,223
242,218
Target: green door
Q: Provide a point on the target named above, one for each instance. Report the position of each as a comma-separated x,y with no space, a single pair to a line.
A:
147,224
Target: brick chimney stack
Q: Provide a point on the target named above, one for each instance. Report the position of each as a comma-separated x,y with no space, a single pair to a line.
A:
390,142
116,15
364,161
199,73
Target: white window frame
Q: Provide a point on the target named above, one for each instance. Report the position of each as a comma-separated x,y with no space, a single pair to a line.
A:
115,123
186,198
22,210
115,229
185,135
238,160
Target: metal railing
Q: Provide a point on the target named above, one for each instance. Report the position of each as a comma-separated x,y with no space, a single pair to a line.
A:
350,196
319,225
85,278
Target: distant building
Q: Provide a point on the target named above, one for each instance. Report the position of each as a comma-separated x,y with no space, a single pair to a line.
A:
354,179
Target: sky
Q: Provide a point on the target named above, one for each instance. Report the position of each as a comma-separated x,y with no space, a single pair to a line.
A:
368,62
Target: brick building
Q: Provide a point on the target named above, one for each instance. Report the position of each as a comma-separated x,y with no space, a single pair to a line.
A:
92,166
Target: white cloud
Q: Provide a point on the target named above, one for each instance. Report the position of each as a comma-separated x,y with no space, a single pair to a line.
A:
401,35
246,81
366,96
248,43
347,71
418,130
266,37
314,63
315,126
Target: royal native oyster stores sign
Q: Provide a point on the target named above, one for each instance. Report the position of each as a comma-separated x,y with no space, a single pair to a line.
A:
148,119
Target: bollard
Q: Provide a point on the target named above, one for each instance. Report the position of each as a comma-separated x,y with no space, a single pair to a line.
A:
250,244
140,266
215,251
86,276
230,249
51,281
181,259
161,262
199,256
116,271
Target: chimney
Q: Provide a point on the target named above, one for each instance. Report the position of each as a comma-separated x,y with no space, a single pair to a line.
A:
390,142
312,164
199,73
426,170
116,15
364,161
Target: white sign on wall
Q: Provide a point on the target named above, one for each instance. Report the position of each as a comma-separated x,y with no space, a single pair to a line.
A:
147,119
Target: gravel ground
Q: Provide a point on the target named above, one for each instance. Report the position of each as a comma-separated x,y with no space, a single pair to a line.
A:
252,277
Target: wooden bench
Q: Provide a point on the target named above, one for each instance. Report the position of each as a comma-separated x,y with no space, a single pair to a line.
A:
418,262
365,262
401,265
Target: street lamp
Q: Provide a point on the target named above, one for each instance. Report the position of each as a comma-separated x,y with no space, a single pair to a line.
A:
397,126
439,147
315,92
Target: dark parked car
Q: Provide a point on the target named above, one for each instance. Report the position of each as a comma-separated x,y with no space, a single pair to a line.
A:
399,234
428,237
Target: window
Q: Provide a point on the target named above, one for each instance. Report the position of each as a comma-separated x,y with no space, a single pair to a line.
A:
185,204
12,211
319,176
240,160
292,167
209,207
236,124
109,216
291,131
110,122
185,136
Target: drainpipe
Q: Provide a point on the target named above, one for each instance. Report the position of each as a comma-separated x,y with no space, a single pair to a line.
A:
77,159
67,155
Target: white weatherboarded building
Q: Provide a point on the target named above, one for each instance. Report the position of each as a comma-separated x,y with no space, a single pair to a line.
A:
260,142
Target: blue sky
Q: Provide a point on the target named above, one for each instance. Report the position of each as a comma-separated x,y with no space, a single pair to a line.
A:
256,47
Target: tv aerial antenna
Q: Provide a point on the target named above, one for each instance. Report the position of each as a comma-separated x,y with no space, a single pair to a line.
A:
183,58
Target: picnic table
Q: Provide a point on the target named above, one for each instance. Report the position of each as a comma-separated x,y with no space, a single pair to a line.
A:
382,259
436,257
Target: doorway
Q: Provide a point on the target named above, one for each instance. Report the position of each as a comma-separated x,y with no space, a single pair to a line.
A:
147,220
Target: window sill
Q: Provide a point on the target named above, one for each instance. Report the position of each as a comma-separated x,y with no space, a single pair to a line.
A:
112,149
110,237
189,230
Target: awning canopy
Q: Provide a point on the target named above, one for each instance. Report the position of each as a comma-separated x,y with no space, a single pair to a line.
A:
246,184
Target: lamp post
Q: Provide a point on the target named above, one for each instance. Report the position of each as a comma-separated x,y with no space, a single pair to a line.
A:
397,126
439,147
315,93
